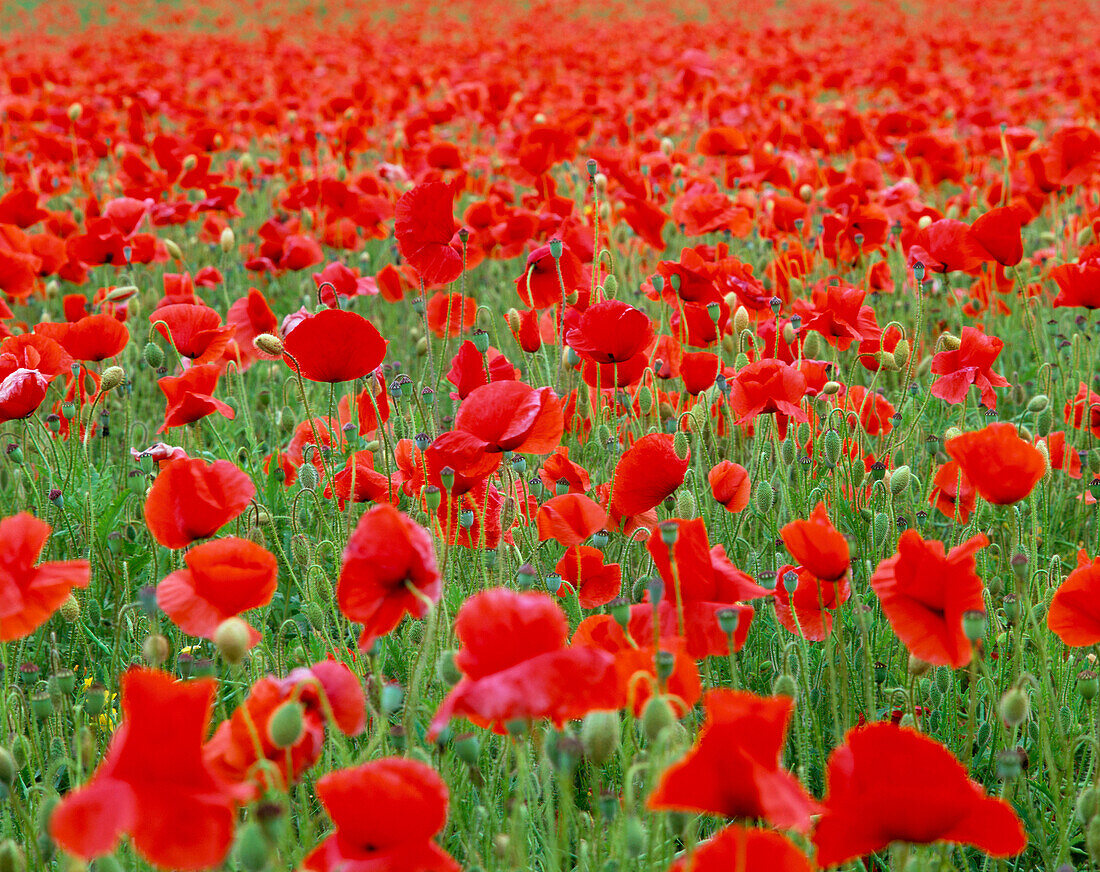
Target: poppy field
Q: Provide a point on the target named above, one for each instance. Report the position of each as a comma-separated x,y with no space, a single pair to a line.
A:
576,436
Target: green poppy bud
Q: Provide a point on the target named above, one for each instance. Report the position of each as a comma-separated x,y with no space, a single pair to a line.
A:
286,724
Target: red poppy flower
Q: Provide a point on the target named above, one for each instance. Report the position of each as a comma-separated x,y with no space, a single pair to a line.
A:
191,396
249,317
1074,613
30,594
426,232
647,472
722,142
596,582
818,546
558,467
153,768
324,687
892,784
451,314
734,767
636,678
1082,411
969,364
539,287
334,346
511,416
92,338
739,849
196,331
1078,284
611,338
768,386
836,311
808,610
1003,467
871,410
468,369
386,813
953,493
387,556
699,369
925,593
191,499
998,232
359,482
948,245
21,390
570,519
223,578
516,664
729,485
703,584
35,351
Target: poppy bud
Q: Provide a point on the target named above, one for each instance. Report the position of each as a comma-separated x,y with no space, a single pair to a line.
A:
656,716
231,638
173,249
308,477
285,726
1043,422
830,388
253,851
600,736
785,685
268,343
468,748
880,527
741,361
1038,403
901,353
950,341
833,445
918,667
974,624
763,497
634,837
1088,684
1014,707
112,377
154,649
611,287
226,241
1087,804
899,480
1045,452
1092,839
447,669
8,769
686,507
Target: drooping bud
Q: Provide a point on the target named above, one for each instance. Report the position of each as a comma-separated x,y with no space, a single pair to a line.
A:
657,715
232,638
112,377
600,736
285,726
899,480
173,249
1014,707
950,341
270,344
226,241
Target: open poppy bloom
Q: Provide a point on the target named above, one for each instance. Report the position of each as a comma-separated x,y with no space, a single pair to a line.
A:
925,594
507,416
740,849
952,492
1078,284
196,331
153,768
807,611
1003,467
426,232
468,371
1082,411
729,485
699,583
324,687
22,390
570,519
998,232
611,338
596,582
646,473
191,396
388,570
334,346
734,769
969,364
92,338
1074,613
539,287
223,578
386,813
517,666
817,545
769,386
29,593
191,499
892,784
636,678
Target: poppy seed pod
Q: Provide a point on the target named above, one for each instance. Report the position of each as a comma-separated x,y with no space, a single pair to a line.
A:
286,724
1088,684
974,625
268,343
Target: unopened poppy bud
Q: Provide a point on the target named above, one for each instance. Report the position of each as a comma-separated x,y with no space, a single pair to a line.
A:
154,649
740,320
173,249
886,361
645,400
785,685
11,855
285,726
634,837
112,377
226,240
268,343
763,497
974,624
656,716
686,507
880,527
805,192
830,388
901,353
681,444
1092,839
741,361
1041,445
154,355
468,748
232,638
833,445
918,667
8,769
1038,403
74,112
899,480
950,341
950,433
600,736
308,477
787,451
1088,684
447,669
512,319
253,849
1044,421
789,333
611,288
1014,707
1088,804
